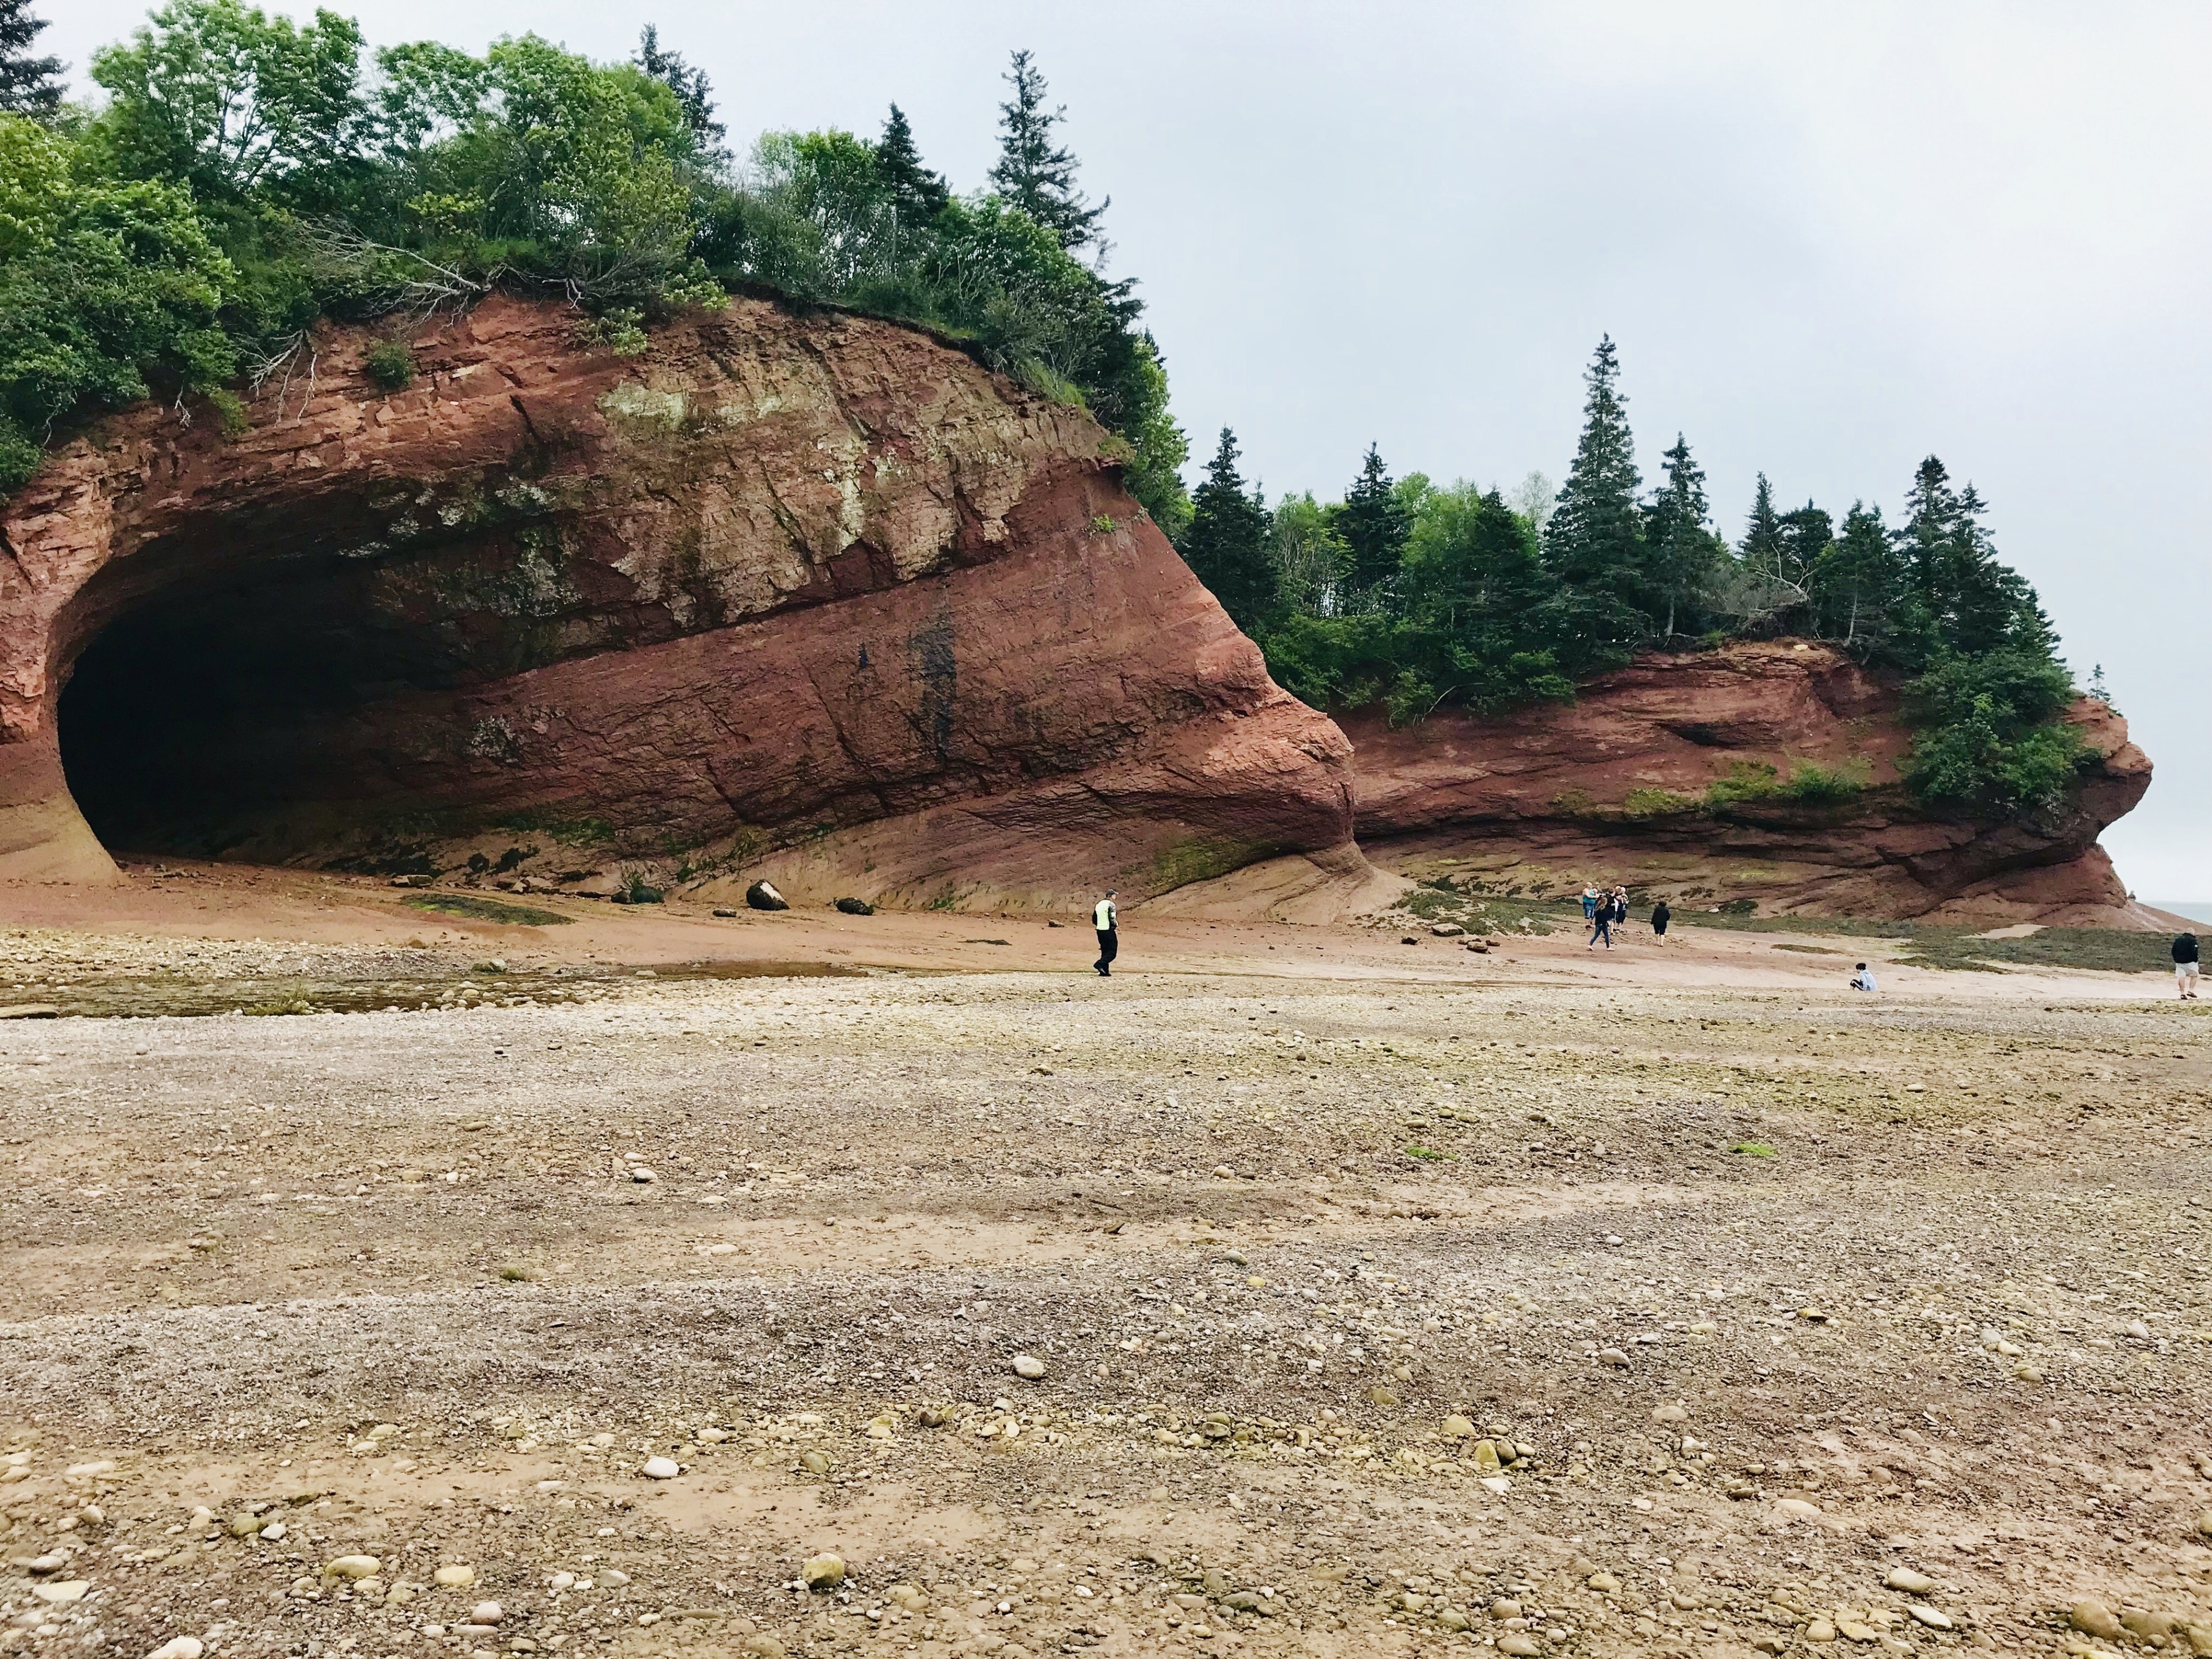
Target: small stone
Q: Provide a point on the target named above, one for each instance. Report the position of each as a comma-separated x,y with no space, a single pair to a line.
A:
824,1572
62,1592
1028,1365
351,1566
912,1597
1457,1427
1448,930
757,1646
1796,1509
643,1176
1853,1631
1603,1583
2094,1619
1612,1357
560,1581
1821,1630
30,1011
2138,1330
2204,1523
814,1462
660,1468
179,1647
486,1613
455,1576
1928,1616
2027,1374
614,1578
725,914
1912,1583
1485,1456
1670,1414
763,896
1452,1618
242,1526
1519,1646
852,907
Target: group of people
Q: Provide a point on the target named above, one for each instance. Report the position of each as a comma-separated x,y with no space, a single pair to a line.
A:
1605,909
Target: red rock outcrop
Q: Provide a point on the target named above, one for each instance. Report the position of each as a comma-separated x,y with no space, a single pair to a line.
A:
1546,800
807,593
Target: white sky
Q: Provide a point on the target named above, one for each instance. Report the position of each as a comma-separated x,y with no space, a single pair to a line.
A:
1829,241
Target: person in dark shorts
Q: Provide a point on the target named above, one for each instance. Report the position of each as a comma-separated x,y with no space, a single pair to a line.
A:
1660,915
2184,965
1104,917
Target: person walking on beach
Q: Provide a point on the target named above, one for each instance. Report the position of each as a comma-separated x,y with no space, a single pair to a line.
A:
1110,940
1660,915
1601,923
2184,965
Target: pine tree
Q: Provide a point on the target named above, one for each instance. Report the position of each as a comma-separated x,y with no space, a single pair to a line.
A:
695,92
1373,524
918,193
1681,548
28,86
1859,585
1595,541
1034,174
1974,602
1761,550
1226,545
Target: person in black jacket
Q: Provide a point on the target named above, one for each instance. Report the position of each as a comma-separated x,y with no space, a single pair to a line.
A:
1660,915
2184,965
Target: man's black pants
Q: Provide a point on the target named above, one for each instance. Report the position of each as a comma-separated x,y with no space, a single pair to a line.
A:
1109,945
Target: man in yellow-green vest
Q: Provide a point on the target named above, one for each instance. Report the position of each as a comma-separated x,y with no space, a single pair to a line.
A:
1110,941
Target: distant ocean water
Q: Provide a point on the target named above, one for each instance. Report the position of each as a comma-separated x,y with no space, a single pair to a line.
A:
2195,909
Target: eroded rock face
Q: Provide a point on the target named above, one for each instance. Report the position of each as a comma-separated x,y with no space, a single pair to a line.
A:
814,597
1548,799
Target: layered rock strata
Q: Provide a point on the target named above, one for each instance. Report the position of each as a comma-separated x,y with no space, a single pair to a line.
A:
1620,786
807,593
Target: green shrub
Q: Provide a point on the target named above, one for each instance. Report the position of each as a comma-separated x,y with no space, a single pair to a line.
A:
1656,803
390,364
1745,780
1815,785
1988,739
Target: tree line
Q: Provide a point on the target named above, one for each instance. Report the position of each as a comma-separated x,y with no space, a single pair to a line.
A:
245,175
1408,596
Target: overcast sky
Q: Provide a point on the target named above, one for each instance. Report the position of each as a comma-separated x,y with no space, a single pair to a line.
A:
1829,241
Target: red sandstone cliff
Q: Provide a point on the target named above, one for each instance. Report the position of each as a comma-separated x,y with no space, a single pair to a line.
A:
1544,800
808,593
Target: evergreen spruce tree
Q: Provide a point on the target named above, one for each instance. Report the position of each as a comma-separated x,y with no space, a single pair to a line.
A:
28,86
1859,585
1974,602
1034,174
918,193
1373,523
1681,548
1226,545
1595,541
695,94
1761,548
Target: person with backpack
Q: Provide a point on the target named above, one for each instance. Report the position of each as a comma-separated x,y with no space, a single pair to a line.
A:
1660,915
1103,917
2184,965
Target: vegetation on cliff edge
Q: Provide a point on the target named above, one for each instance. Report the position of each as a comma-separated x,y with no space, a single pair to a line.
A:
1411,596
246,175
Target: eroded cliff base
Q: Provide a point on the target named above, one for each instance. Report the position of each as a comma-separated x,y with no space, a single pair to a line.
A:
1672,777
808,595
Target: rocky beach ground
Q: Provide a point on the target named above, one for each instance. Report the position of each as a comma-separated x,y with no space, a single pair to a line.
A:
820,1291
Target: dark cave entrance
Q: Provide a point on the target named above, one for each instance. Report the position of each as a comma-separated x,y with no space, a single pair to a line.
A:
231,713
